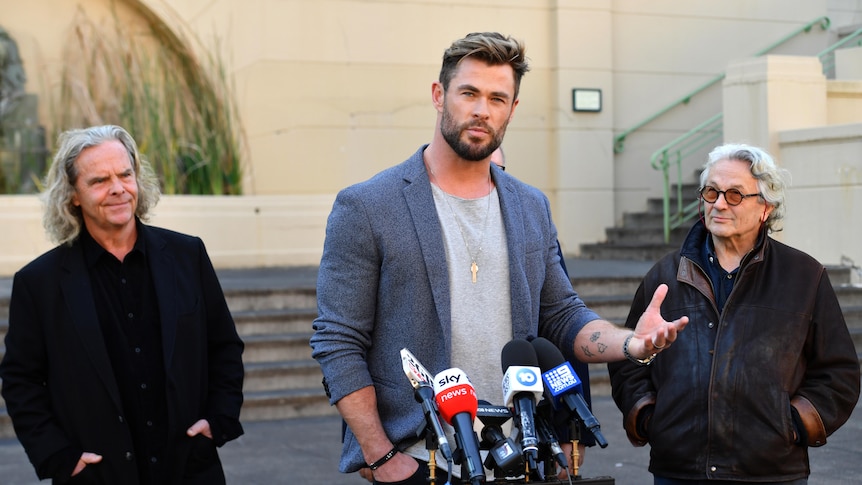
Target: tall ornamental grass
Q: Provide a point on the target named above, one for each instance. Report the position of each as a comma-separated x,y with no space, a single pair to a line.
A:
179,108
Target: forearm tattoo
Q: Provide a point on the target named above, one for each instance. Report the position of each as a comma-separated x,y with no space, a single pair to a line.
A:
600,347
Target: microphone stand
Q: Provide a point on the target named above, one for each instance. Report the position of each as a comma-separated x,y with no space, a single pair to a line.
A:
575,436
431,446
575,426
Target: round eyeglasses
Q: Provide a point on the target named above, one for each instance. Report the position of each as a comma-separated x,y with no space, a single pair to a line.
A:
731,196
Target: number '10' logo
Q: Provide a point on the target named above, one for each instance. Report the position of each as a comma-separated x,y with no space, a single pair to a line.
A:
526,377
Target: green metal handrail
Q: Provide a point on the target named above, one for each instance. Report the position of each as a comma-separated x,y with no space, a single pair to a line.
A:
675,151
827,56
619,140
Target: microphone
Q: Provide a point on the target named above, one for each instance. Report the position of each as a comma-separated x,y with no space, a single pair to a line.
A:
522,387
423,392
564,385
503,453
457,402
549,438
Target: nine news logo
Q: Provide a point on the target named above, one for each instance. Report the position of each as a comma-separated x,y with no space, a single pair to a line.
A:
561,378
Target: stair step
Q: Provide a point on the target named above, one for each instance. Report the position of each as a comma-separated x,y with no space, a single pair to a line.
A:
853,317
600,286
647,220
275,321
655,205
300,403
622,235
288,374
243,300
627,251
842,275
849,295
856,335
278,347
614,308
600,380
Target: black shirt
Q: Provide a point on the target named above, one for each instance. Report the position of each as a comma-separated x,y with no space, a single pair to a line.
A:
129,319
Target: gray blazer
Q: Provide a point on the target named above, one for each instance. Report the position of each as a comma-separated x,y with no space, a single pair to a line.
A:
383,285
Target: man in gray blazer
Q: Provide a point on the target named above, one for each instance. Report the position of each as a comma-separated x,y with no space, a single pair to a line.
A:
450,257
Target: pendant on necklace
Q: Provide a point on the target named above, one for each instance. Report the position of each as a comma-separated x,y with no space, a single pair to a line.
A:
474,268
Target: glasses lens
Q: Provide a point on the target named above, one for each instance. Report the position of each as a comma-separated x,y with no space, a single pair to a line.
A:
733,196
709,194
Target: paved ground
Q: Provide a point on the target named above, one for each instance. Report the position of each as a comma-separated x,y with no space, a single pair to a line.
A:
305,451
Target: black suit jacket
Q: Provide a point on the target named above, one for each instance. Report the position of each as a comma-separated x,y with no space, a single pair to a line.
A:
58,384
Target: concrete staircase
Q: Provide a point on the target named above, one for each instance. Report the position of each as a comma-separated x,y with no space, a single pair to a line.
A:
274,309
641,236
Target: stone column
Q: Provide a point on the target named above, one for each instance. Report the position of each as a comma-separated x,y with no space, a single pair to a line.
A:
766,95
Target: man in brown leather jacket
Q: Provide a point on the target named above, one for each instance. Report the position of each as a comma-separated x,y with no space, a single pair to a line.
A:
766,367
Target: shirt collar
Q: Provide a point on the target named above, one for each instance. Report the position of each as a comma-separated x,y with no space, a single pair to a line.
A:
93,251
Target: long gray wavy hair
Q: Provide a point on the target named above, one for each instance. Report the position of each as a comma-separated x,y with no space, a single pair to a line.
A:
62,219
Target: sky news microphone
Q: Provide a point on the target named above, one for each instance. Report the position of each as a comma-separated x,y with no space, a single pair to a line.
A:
522,388
564,385
457,402
423,391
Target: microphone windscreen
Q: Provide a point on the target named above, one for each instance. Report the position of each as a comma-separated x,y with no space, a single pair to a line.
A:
548,355
454,394
518,352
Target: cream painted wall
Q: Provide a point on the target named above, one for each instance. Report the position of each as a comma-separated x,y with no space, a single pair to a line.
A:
784,103
824,203
332,91
766,95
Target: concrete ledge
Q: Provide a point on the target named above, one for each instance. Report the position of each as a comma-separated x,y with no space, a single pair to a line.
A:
239,232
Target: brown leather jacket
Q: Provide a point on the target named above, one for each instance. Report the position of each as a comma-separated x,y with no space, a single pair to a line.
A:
717,403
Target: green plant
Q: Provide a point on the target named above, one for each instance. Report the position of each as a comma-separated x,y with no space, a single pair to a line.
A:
180,108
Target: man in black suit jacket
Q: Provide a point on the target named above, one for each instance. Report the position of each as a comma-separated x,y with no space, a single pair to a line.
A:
122,364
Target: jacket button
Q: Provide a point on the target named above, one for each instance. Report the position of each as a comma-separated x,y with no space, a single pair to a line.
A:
713,469
128,456
121,419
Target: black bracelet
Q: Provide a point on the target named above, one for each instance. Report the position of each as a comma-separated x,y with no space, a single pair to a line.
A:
388,456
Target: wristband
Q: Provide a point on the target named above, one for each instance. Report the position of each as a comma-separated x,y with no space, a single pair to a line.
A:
388,456
629,356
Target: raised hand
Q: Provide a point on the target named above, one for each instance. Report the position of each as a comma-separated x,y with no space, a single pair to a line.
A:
653,333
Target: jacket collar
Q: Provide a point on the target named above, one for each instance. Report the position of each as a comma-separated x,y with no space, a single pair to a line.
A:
692,247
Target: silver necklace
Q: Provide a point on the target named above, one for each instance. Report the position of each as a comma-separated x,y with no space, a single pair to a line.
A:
474,265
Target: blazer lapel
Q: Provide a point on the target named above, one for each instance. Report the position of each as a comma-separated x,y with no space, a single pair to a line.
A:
420,202
78,293
513,220
163,274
